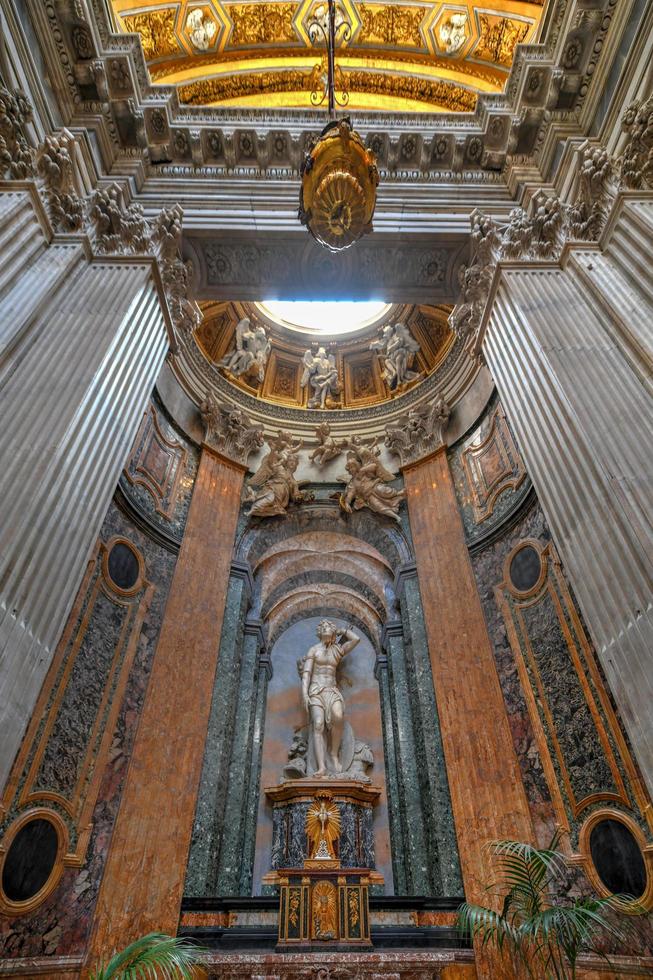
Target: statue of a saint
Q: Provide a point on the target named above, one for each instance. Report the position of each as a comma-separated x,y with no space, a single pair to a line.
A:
397,349
251,353
321,373
323,701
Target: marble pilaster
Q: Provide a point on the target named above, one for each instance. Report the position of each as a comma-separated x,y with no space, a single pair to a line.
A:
570,346
230,864
263,675
443,853
209,824
144,876
414,843
81,344
397,834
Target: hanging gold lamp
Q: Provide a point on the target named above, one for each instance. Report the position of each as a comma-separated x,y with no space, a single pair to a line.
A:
339,175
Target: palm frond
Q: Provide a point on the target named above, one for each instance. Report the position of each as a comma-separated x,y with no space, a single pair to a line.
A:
152,957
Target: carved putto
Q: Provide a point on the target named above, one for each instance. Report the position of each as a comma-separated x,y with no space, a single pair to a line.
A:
321,373
201,29
229,430
397,349
452,33
328,448
273,487
251,354
367,482
419,432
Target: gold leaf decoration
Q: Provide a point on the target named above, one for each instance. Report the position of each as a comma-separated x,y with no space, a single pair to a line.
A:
499,37
261,23
393,25
325,910
157,31
433,92
322,822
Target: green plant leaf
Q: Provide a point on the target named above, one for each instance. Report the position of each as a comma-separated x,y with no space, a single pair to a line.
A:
152,957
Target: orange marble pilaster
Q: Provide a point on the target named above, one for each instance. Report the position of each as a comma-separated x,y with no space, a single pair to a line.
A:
487,793
143,880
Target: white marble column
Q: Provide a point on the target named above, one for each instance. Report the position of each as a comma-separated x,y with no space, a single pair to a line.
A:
82,341
570,346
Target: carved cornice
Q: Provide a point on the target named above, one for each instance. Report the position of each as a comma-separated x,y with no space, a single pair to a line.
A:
105,77
229,431
420,432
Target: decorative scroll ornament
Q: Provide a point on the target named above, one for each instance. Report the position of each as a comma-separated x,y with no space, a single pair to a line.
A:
339,175
367,482
420,432
273,487
229,430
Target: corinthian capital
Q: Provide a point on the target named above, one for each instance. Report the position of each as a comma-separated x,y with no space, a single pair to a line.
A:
55,166
229,430
16,158
419,432
636,161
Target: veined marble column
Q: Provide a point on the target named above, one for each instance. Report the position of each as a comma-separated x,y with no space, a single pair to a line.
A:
570,346
397,831
255,755
209,824
143,881
81,344
487,794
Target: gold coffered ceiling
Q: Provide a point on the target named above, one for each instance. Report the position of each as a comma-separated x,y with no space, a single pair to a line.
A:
402,56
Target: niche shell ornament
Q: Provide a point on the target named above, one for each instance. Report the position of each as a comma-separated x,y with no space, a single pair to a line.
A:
338,191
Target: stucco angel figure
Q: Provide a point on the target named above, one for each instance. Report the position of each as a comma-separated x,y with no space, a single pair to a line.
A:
367,486
274,486
321,373
251,353
396,348
328,449
321,696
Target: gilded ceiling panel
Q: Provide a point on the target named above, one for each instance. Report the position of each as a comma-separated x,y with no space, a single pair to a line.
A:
400,55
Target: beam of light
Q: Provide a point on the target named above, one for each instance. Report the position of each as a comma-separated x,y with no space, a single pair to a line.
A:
325,317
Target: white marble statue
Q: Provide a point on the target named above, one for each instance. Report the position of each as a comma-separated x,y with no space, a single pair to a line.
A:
321,696
251,353
321,373
201,29
396,348
274,486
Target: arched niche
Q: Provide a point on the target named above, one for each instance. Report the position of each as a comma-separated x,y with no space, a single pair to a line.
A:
285,714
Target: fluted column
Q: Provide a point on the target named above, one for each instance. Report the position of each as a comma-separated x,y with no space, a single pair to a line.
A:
143,880
81,344
570,347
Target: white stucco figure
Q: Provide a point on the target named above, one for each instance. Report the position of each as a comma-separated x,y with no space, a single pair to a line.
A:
321,373
453,33
200,29
396,348
251,353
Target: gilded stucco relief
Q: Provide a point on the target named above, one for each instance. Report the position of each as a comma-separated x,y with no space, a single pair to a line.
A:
403,56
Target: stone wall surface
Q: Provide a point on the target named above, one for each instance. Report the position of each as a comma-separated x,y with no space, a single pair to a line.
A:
61,924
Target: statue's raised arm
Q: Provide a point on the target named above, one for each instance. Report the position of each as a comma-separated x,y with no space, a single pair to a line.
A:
348,640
